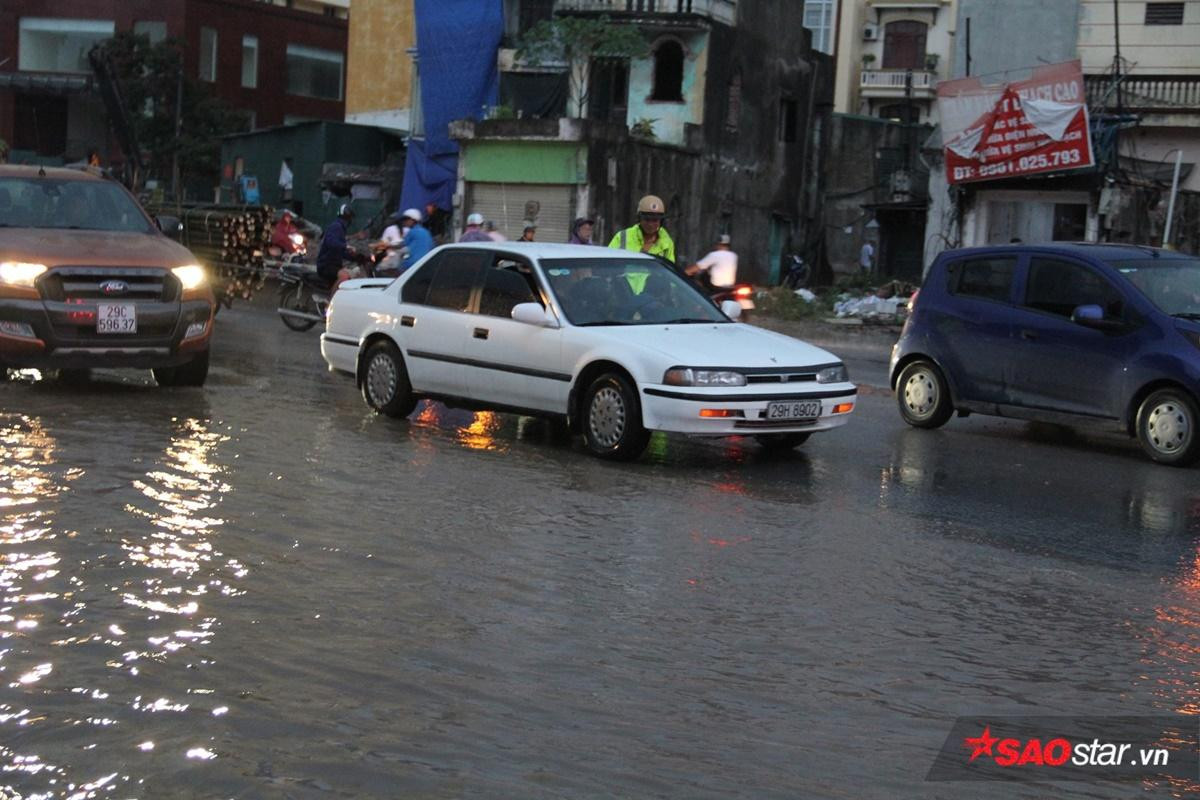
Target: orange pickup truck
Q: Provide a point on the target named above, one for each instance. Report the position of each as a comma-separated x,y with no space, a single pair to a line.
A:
87,279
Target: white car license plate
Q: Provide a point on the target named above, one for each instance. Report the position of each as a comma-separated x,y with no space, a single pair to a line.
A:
116,318
794,410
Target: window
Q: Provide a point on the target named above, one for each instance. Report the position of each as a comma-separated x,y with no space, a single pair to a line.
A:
312,72
818,18
208,54
787,119
1058,287
250,62
904,45
59,45
153,30
907,114
733,108
455,278
988,278
417,287
668,72
506,284
1164,13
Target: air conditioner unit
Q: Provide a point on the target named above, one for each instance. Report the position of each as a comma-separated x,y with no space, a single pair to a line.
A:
870,33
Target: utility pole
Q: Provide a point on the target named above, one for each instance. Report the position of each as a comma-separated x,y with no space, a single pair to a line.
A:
968,72
178,132
1117,56
1166,240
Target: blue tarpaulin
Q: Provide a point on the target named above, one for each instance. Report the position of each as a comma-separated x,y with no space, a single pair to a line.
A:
457,41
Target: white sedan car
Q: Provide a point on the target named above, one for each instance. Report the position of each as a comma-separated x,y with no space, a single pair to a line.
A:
615,343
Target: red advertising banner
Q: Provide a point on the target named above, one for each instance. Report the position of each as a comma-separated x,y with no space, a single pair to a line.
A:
1023,128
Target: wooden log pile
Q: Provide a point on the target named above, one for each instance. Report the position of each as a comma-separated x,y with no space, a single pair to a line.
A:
231,241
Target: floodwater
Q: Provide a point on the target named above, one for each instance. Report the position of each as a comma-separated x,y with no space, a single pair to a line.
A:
259,589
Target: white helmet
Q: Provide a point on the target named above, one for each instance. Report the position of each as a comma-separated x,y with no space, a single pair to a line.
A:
475,219
412,214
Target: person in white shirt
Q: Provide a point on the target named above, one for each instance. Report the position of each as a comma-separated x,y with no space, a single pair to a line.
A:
866,257
721,264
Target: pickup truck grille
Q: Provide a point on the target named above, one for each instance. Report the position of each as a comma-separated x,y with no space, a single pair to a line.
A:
66,284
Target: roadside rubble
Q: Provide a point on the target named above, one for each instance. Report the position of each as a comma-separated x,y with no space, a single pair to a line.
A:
886,304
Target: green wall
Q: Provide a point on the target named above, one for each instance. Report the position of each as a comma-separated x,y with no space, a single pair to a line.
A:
525,162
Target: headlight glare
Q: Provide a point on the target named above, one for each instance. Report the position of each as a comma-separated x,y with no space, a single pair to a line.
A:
836,374
20,273
685,376
190,277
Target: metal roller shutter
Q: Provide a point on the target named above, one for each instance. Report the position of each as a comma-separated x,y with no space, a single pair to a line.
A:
509,204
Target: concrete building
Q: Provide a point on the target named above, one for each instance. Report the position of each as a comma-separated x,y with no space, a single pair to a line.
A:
276,62
1140,122
890,54
739,105
380,65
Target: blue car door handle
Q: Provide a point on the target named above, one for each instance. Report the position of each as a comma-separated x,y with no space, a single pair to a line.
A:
1028,334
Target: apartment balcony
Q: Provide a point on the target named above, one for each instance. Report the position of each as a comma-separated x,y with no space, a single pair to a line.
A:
882,84
1176,97
673,12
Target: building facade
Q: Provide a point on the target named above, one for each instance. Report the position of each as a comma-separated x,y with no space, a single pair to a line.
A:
380,66
890,54
725,119
275,63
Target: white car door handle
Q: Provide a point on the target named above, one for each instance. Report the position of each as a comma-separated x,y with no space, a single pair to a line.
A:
481,333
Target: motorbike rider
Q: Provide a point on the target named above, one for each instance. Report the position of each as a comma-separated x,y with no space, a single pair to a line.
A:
281,237
719,266
417,238
581,231
648,235
474,231
334,246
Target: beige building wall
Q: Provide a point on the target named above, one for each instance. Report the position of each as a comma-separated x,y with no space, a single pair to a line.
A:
379,68
1146,49
849,94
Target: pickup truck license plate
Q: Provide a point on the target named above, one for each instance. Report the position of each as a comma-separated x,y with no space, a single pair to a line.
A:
794,410
116,318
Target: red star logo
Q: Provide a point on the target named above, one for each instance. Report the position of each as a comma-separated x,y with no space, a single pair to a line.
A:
982,744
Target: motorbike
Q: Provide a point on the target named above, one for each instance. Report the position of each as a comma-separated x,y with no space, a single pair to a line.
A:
741,293
304,295
798,273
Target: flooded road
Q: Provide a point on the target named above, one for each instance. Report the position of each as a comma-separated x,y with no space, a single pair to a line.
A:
259,589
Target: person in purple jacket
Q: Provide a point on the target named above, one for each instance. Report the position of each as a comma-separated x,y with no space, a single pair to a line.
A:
474,231
581,231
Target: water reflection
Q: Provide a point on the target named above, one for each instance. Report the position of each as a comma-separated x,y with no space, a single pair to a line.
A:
133,589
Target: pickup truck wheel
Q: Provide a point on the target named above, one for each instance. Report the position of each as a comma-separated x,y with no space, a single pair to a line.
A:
1168,428
193,373
385,384
612,419
923,396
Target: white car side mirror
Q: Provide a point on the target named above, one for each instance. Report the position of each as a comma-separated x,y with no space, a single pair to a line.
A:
731,309
533,314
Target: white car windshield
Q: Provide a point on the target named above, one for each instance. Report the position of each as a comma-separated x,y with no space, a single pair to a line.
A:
55,203
618,291
1172,284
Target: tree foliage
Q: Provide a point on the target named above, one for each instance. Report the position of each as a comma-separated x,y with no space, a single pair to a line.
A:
148,76
577,43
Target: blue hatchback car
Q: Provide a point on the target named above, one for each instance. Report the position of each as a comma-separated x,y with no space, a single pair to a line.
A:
1063,333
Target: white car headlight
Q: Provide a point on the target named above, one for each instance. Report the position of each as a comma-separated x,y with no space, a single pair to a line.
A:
836,374
190,277
682,376
20,273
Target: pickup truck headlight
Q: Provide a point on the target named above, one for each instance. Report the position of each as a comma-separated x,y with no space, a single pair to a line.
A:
681,376
20,273
836,374
190,277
